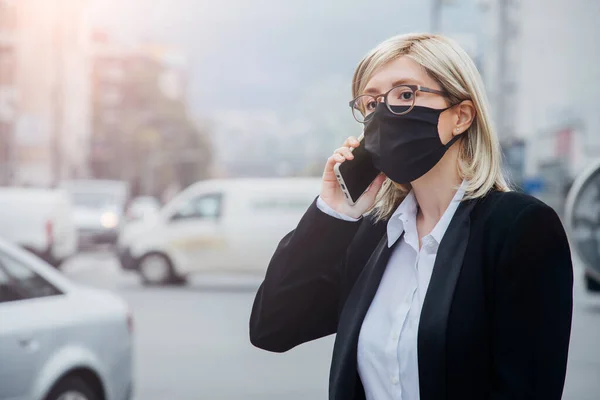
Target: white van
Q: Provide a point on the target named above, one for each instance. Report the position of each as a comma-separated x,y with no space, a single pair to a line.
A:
217,225
39,220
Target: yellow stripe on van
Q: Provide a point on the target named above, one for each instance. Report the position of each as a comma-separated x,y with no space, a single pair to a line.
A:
199,242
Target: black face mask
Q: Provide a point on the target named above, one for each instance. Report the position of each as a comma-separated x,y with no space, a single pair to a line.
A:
405,147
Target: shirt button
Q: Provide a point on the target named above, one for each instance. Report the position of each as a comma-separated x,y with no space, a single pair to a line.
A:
430,246
394,380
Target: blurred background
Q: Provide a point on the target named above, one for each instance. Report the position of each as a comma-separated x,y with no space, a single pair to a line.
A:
142,143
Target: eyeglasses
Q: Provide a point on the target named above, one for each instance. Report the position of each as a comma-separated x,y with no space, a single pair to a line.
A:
400,100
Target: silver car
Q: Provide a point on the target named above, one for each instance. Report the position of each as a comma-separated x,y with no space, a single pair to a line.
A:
59,340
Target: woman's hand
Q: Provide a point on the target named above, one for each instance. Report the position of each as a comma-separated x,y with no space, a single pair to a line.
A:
332,194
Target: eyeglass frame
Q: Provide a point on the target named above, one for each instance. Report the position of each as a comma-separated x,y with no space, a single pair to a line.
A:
415,89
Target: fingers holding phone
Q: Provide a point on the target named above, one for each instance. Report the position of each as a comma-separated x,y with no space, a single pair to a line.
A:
350,182
346,150
339,156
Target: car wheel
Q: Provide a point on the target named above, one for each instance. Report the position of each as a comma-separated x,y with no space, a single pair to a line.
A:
57,263
156,269
591,284
72,388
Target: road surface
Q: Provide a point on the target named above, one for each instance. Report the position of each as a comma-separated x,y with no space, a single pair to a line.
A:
191,342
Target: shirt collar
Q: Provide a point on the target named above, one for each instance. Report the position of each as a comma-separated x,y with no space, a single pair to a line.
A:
440,228
407,211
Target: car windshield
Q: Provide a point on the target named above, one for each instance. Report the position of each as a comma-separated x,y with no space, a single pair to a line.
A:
94,200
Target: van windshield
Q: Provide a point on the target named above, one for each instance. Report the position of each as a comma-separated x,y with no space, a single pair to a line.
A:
94,200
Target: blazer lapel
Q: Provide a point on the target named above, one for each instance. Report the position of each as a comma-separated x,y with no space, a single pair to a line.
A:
343,377
436,306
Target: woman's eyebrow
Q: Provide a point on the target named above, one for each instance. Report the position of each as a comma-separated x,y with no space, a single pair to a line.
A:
404,81
407,81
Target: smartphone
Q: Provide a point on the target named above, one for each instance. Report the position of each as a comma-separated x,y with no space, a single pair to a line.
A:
355,176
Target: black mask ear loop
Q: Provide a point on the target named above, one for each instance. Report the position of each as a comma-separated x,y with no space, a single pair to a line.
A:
452,141
455,138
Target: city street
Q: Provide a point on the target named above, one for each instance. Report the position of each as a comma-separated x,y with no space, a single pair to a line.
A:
192,341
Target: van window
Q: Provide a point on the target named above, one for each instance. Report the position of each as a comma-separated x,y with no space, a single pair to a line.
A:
206,206
19,282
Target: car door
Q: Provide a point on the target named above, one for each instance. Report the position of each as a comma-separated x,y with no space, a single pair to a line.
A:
196,233
28,303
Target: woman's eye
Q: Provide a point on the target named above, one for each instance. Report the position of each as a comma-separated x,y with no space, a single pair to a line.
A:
406,96
371,105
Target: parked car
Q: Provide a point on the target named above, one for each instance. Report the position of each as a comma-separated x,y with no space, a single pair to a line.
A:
142,207
218,225
39,220
99,209
583,222
59,340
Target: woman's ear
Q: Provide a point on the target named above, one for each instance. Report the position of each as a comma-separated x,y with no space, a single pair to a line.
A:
465,114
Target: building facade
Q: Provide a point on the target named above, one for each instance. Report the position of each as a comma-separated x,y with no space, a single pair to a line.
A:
142,131
8,49
49,112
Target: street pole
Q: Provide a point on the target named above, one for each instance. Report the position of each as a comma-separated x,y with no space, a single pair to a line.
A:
8,114
505,95
502,68
55,140
436,10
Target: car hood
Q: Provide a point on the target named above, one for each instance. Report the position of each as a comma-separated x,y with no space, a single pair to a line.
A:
90,218
99,300
87,218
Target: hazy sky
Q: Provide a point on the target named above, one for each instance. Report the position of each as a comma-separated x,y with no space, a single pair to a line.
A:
273,54
289,63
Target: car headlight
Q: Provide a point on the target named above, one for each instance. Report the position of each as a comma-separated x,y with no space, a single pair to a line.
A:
109,220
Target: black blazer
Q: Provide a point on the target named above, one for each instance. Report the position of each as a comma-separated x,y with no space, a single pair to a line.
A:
496,319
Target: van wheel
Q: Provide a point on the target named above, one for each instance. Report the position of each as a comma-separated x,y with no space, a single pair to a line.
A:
156,269
591,284
72,388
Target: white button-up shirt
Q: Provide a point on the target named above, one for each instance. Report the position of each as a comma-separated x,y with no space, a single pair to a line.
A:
387,346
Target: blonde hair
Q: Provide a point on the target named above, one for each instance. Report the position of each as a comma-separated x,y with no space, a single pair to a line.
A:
480,156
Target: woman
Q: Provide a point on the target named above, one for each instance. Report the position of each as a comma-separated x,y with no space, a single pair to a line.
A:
450,286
